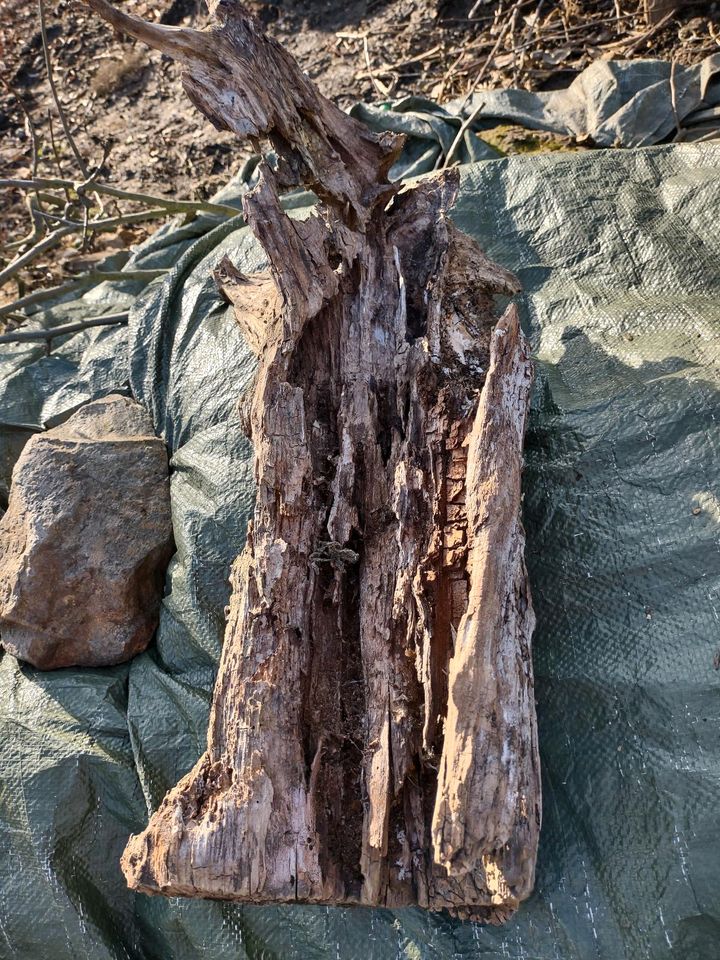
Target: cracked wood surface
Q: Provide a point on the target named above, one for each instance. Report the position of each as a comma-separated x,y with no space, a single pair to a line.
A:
372,737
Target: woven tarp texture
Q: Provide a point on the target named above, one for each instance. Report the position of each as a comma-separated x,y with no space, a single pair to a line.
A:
611,103
619,256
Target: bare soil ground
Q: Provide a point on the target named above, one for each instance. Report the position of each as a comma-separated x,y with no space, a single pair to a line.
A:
129,115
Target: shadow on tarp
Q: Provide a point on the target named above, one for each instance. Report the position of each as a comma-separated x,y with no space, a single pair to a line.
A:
627,695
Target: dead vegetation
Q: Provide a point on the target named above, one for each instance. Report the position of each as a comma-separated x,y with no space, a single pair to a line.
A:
124,117
372,738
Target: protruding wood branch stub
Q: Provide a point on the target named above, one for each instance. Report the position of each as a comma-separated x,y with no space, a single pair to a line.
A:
372,737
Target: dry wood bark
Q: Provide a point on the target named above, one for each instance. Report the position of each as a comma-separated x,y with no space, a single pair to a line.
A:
372,737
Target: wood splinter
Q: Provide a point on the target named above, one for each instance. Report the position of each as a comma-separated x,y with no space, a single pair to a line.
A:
372,737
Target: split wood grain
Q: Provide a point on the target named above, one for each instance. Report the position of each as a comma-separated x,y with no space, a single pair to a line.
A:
373,735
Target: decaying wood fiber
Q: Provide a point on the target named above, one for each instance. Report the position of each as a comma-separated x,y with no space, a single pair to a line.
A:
372,737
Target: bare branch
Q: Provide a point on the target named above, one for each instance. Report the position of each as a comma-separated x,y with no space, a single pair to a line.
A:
30,336
51,80
53,239
179,42
461,133
171,206
76,285
69,227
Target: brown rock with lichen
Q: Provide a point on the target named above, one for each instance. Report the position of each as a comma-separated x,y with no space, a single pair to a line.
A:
86,540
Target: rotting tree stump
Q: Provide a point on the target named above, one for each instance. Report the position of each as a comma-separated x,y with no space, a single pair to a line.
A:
372,737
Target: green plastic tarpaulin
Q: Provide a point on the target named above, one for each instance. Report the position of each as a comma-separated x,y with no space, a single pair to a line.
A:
619,254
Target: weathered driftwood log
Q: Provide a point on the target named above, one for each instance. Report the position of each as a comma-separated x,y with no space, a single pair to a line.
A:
372,737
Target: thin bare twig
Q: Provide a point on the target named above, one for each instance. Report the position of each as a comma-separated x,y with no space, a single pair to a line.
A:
378,84
59,218
500,37
63,118
513,24
37,231
81,189
29,336
448,74
534,21
37,224
109,223
53,239
632,47
30,127
51,80
171,206
434,53
56,152
50,199
461,133
76,284
82,282
69,227
673,101
85,227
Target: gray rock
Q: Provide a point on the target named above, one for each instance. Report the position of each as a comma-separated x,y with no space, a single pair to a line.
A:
86,540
